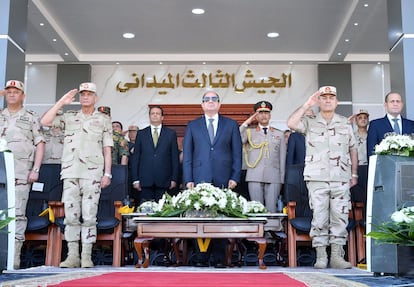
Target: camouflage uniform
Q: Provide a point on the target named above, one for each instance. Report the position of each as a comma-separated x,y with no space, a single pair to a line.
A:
54,137
22,132
327,173
82,170
362,148
120,147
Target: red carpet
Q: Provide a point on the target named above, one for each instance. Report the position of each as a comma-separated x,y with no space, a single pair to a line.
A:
184,279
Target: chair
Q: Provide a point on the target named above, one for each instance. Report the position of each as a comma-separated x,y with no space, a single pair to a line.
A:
109,220
39,228
359,201
300,215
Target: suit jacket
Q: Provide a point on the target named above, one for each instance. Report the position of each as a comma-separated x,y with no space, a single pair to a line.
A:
296,149
271,166
379,127
155,166
214,163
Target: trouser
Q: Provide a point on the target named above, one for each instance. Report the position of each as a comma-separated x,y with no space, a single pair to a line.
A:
81,198
22,189
152,193
330,202
266,193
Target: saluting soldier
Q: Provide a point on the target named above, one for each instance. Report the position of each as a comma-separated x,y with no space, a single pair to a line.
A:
264,156
21,129
86,168
331,166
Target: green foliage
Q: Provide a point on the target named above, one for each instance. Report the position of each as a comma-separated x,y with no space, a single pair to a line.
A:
4,219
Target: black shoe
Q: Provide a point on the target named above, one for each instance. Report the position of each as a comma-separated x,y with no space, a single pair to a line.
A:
166,261
201,264
219,265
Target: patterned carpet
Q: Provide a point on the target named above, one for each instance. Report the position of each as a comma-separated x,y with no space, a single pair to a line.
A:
45,276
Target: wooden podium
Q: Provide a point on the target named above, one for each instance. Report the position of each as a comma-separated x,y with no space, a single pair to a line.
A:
7,202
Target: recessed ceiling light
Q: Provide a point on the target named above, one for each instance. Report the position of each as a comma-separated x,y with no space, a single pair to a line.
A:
117,63
356,24
346,40
198,11
273,35
204,63
366,5
160,63
379,63
66,54
41,24
339,54
247,63
290,63
128,35
54,40
30,63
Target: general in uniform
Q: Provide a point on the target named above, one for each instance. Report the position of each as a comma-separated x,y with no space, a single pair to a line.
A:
86,168
264,156
21,129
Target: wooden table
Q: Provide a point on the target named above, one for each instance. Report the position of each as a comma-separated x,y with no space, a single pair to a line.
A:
148,228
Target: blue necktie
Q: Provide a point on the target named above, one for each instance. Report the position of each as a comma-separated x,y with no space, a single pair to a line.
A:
396,126
211,130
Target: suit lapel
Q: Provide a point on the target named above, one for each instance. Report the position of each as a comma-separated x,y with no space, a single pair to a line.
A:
203,128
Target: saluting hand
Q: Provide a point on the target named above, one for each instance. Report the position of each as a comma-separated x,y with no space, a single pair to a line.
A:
2,93
69,97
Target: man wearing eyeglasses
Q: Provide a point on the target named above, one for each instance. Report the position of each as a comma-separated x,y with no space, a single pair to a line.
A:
212,153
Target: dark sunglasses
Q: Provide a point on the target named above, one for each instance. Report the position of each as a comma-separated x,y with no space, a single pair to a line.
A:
207,99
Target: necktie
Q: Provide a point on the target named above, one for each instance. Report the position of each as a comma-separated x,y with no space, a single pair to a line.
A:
265,131
396,126
155,137
211,130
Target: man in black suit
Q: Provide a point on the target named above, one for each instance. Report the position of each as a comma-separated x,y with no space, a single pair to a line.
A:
155,162
392,122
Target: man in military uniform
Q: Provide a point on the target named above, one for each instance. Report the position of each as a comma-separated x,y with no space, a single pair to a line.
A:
21,129
264,155
331,166
86,168
120,151
54,138
361,120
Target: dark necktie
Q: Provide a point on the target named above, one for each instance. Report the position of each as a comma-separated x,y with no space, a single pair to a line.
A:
396,126
265,131
211,130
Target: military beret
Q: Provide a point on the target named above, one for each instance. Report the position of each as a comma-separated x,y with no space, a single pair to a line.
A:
263,106
361,111
105,110
15,84
327,90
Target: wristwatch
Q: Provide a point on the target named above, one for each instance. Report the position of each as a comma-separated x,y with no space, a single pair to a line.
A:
108,175
35,169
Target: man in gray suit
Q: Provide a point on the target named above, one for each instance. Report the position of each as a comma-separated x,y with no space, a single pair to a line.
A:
265,156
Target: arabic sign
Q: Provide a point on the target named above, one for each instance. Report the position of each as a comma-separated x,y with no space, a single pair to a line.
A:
210,80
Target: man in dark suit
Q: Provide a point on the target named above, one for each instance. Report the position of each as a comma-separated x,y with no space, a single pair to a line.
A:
392,122
155,162
214,155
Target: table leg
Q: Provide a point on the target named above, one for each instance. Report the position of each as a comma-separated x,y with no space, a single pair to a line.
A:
140,244
262,248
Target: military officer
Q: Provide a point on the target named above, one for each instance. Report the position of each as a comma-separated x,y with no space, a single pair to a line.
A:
264,156
120,151
86,168
21,129
331,166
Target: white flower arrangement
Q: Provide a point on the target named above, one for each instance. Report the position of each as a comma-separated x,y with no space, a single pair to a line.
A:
400,230
395,144
204,200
